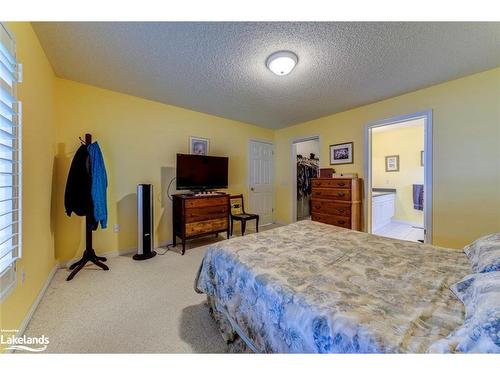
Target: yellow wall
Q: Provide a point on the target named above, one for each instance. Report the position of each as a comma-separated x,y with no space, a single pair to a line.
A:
139,139
466,118
36,93
407,142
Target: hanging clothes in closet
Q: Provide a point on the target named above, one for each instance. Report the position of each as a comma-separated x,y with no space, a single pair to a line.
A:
307,169
86,186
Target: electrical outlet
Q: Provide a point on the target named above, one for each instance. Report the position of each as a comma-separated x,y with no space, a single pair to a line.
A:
23,276
116,228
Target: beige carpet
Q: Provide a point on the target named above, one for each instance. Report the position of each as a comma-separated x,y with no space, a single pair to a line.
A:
136,307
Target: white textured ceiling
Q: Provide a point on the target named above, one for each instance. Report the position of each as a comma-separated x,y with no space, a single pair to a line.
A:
219,68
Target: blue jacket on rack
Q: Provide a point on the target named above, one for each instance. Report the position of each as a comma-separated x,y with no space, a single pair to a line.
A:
99,184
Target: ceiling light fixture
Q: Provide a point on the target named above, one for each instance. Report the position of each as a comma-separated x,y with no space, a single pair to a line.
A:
281,63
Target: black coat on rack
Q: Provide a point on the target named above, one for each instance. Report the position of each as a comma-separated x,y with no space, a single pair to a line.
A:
78,197
89,254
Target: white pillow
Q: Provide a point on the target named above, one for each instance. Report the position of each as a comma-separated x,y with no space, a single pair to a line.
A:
484,253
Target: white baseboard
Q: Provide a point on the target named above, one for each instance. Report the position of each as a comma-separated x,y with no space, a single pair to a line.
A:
110,254
34,306
165,244
280,223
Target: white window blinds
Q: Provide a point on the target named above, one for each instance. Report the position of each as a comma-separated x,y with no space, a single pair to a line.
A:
10,162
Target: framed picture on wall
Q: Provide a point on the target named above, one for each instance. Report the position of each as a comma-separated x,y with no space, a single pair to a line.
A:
392,163
421,158
341,153
199,146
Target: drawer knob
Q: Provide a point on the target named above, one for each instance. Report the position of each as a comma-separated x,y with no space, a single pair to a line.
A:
317,207
341,184
341,222
340,194
340,210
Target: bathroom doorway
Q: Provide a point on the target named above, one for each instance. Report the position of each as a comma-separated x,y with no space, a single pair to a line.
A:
305,167
399,177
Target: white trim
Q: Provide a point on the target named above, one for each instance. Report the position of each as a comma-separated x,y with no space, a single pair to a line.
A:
293,170
265,225
111,254
273,174
281,223
8,275
427,117
34,306
16,149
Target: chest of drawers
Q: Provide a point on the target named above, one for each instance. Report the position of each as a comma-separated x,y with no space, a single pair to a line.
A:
196,216
337,201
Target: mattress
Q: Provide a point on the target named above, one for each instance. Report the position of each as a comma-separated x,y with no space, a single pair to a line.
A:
310,287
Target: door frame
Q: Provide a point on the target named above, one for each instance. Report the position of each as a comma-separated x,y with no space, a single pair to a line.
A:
293,170
427,117
249,202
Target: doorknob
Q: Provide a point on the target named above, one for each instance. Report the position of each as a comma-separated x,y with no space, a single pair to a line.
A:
252,189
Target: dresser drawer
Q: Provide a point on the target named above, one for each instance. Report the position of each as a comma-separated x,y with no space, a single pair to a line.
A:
206,213
204,202
206,226
339,221
330,208
331,194
332,183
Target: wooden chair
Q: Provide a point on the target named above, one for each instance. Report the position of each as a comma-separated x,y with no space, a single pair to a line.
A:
237,212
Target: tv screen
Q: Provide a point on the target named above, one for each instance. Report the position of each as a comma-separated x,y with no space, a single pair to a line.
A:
200,172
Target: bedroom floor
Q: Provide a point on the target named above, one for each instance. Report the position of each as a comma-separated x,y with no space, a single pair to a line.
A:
136,307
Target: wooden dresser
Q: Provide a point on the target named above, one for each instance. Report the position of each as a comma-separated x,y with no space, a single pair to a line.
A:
337,201
196,216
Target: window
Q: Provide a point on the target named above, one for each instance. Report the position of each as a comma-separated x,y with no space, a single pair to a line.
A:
10,163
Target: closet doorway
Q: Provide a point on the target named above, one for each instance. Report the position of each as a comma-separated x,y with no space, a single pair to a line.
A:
305,166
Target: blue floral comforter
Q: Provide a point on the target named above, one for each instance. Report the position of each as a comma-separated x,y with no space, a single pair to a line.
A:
310,287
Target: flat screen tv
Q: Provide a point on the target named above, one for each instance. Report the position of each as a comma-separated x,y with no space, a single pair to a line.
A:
200,172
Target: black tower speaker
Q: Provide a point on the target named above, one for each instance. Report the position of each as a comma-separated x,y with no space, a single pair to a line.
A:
145,222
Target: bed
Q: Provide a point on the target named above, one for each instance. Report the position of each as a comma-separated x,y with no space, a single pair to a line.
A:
310,287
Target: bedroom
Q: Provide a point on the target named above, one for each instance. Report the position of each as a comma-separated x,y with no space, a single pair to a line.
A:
151,94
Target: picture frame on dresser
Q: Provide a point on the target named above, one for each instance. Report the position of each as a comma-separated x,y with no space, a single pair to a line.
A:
342,153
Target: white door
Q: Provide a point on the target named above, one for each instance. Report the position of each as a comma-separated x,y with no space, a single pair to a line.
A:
260,190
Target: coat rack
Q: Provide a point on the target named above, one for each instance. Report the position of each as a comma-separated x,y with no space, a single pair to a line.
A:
89,254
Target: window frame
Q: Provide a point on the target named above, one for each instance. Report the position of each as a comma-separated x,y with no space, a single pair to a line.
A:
8,276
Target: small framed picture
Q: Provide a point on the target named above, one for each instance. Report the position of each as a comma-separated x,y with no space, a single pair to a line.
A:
341,153
392,163
199,146
421,158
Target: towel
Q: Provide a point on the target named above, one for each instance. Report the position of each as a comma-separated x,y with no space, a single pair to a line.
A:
418,197
99,184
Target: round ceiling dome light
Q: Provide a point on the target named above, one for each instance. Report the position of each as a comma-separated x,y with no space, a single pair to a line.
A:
281,63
